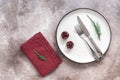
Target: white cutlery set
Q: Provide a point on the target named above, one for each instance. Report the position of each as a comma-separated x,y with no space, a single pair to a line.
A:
81,29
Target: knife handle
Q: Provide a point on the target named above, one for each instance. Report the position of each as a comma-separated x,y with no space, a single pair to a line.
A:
94,53
96,48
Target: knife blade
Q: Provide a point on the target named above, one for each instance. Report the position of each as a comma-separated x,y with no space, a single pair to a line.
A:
85,31
83,28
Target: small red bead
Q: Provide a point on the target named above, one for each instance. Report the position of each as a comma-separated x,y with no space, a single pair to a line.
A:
65,35
70,44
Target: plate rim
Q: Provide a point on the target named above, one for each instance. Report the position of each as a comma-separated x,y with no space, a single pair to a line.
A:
83,9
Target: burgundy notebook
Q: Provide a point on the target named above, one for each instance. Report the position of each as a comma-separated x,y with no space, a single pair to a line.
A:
41,54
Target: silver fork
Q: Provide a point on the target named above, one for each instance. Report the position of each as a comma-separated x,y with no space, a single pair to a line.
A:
95,54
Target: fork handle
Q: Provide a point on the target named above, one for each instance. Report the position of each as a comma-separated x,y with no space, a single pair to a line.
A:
97,58
94,53
96,48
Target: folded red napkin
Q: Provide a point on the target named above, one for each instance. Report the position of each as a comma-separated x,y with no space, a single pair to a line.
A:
41,54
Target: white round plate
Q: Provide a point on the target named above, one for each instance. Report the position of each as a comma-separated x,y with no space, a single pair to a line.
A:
80,52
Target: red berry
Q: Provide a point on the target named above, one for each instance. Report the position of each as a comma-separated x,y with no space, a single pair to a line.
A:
70,44
65,35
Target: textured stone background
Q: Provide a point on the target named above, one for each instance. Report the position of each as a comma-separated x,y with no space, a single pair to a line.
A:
21,19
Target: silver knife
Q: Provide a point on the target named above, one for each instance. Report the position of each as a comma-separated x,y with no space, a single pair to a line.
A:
93,44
